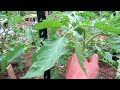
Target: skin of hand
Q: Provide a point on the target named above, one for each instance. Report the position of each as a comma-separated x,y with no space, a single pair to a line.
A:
74,71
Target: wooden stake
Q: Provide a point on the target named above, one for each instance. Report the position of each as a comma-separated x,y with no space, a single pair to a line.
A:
11,72
46,14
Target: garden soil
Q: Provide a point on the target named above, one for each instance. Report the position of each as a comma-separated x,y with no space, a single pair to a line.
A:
105,71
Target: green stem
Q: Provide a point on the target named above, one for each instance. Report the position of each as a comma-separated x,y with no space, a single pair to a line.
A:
90,40
84,36
65,34
3,41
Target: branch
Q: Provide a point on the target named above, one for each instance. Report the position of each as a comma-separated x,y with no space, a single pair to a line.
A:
4,38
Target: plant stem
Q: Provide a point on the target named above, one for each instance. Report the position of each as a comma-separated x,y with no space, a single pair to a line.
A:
90,40
3,41
84,39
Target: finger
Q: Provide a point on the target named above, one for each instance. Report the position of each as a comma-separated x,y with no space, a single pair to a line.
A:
85,60
94,58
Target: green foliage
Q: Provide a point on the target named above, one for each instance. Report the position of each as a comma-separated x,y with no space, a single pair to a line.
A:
79,25
64,58
108,56
47,24
47,57
3,66
28,34
11,55
20,64
108,28
78,51
115,47
88,53
18,19
16,52
12,47
98,48
54,74
80,29
89,14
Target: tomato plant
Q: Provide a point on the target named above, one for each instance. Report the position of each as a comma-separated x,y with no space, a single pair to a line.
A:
82,32
76,30
15,41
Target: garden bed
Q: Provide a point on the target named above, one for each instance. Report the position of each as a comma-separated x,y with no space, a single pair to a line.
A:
68,32
105,70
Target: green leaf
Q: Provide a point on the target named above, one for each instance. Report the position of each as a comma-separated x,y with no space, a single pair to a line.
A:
90,14
11,55
115,47
70,44
28,34
18,50
108,56
2,56
15,20
78,51
20,64
3,66
79,36
47,57
79,30
64,58
54,74
64,20
88,53
108,28
18,19
53,30
47,24
115,40
98,48
34,54
86,21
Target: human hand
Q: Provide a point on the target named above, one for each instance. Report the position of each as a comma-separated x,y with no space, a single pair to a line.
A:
74,71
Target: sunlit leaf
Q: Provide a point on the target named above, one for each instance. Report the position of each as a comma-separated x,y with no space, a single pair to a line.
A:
108,56
90,14
107,28
47,24
47,57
